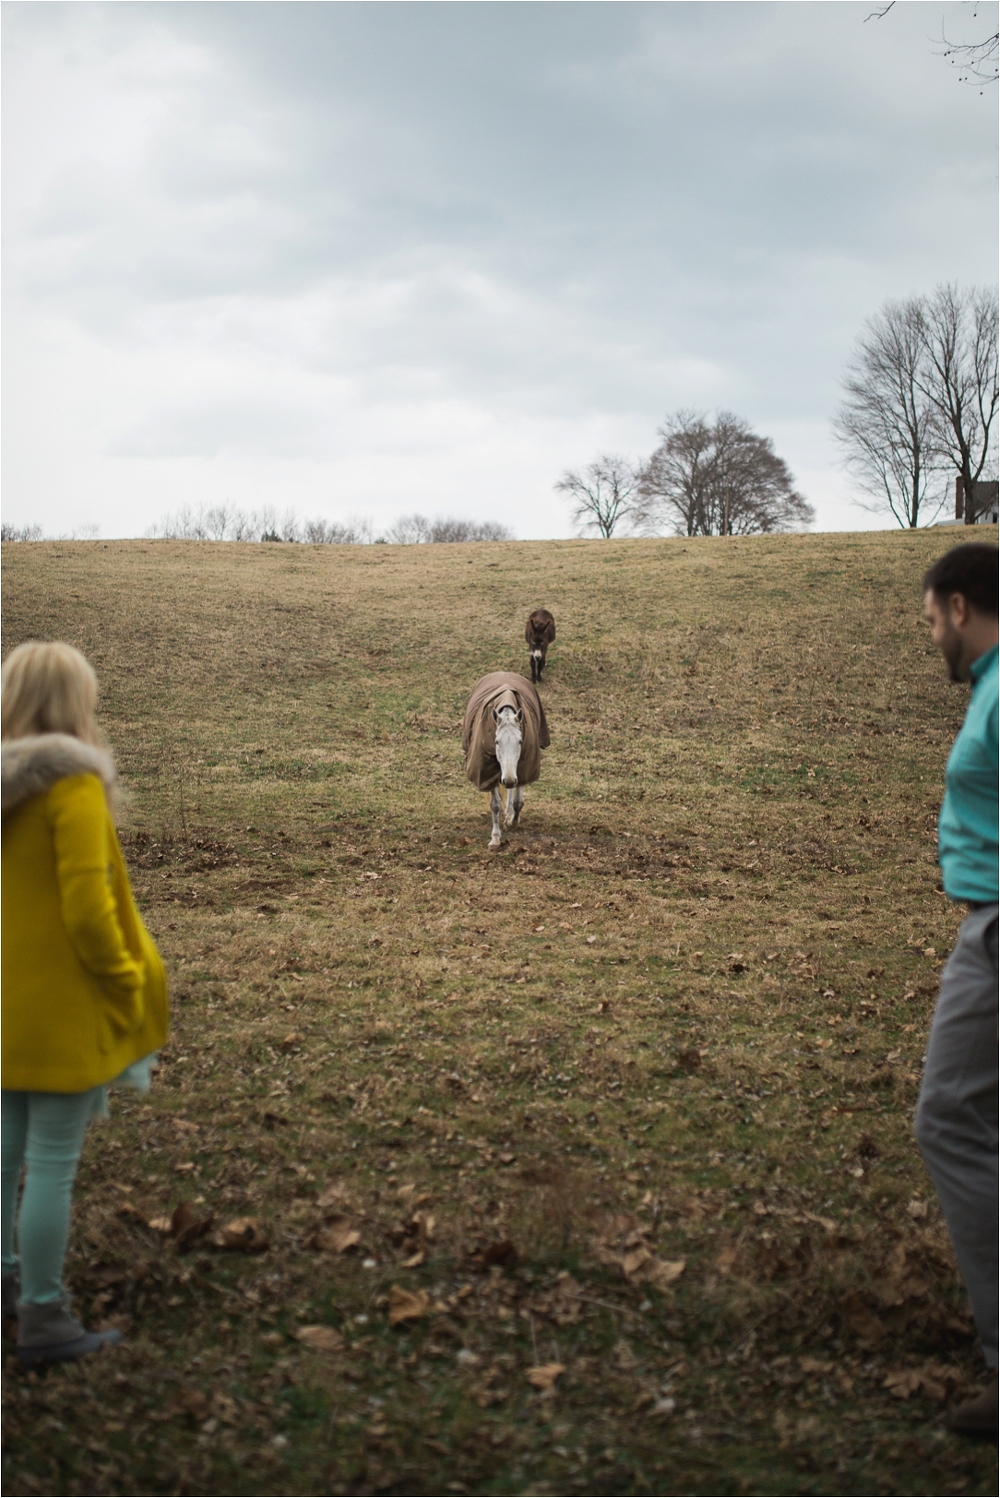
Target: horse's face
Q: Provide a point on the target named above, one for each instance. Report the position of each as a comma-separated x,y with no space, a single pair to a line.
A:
509,736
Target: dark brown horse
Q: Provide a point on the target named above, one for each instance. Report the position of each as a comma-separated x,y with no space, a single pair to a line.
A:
539,632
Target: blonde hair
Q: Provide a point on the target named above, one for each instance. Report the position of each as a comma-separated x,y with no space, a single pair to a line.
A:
48,688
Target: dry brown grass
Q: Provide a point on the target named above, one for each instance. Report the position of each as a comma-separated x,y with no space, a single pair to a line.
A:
678,1018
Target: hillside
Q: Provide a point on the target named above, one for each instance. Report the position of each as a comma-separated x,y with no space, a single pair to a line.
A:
664,1044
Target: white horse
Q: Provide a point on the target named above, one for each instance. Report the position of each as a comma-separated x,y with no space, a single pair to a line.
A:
503,734
509,738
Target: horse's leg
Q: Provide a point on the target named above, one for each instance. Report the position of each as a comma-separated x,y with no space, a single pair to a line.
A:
495,804
515,800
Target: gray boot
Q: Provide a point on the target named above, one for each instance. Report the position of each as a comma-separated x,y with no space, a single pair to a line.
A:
50,1333
11,1283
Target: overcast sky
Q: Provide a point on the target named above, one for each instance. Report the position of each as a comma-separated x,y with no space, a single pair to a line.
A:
364,259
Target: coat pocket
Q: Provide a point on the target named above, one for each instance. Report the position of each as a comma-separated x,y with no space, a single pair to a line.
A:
119,1013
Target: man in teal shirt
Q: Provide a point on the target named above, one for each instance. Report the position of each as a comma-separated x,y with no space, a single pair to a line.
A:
956,1123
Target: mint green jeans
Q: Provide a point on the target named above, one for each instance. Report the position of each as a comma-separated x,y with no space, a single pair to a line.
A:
43,1133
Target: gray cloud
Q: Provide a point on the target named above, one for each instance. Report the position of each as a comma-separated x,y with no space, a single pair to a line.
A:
287,225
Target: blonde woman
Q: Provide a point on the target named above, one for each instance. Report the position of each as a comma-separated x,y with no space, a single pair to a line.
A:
85,996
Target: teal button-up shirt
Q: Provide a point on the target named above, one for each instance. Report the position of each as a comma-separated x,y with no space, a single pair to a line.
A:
967,829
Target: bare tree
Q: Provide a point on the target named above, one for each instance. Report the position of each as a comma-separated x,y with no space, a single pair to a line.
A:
959,378
604,494
976,60
887,424
719,479
351,532
469,530
409,530
20,532
413,530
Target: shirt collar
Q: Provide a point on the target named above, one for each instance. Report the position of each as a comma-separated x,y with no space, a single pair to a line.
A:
983,663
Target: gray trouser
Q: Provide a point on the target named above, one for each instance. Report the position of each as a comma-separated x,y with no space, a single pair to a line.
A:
956,1124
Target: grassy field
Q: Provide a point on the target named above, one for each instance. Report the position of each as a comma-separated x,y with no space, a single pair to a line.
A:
582,1167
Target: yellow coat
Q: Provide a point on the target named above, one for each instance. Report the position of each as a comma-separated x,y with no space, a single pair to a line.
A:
84,990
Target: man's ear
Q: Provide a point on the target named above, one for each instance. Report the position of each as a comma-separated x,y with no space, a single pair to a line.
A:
958,607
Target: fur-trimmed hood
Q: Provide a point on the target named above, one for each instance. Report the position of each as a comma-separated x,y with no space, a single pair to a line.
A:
28,767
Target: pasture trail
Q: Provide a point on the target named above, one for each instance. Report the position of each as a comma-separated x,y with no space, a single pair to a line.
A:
584,1166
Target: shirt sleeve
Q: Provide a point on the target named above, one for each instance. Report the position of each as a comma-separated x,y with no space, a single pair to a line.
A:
80,836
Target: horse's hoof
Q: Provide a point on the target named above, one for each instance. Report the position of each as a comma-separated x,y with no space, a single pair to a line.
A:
495,842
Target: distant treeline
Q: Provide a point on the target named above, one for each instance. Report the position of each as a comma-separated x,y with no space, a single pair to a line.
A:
20,532
227,523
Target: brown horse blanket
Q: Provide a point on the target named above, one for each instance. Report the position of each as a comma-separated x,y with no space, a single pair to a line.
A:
502,689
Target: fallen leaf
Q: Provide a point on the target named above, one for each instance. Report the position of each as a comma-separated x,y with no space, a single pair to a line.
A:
543,1376
726,1259
133,1214
422,1223
192,1402
622,1357
860,1318
633,1261
243,1233
160,1224
917,1209
320,1338
337,1237
226,1408
405,1305
503,1252
415,1259
689,1060
333,1195
186,1226
663,1272
814,1365
935,1380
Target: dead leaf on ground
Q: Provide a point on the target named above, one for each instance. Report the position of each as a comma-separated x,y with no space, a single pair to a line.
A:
543,1376
243,1233
726,1259
415,1260
193,1403
859,1317
186,1226
336,1237
936,1380
634,1260
689,1059
917,1209
334,1195
320,1338
559,1303
622,1357
662,1272
406,1305
502,1252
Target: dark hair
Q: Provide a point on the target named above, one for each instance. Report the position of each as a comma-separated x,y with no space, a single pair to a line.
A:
970,570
